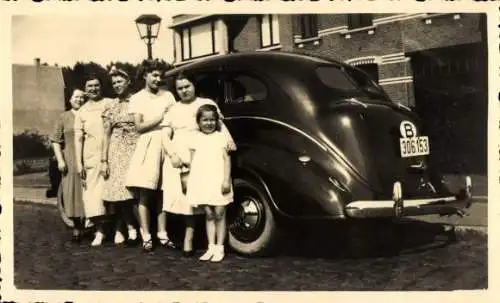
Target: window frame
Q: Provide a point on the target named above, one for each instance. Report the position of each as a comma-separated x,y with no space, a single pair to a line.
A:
309,21
232,74
190,47
271,32
357,21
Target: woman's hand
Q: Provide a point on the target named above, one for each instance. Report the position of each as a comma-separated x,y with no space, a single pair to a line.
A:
104,170
231,146
226,187
61,165
176,161
81,172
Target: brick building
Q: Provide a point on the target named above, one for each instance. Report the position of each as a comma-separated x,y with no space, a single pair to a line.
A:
435,63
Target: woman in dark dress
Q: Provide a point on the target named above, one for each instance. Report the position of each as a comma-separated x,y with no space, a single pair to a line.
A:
63,143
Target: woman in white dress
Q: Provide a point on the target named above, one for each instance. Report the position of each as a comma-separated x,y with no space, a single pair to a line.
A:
89,130
144,175
181,119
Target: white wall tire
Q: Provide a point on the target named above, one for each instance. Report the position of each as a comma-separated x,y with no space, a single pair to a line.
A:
252,229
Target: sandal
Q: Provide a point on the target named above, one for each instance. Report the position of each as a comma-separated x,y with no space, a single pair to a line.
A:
165,241
147,246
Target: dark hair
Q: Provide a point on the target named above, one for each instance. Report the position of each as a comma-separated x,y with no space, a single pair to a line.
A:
69,91
209,108
150,65
90,77
183,76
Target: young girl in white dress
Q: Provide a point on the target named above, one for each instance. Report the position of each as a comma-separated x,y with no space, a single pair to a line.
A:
209,183
181,119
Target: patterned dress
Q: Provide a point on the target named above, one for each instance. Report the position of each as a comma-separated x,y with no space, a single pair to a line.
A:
121,148
70,188
88,123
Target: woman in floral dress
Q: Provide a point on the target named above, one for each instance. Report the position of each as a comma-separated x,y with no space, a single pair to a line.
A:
119,143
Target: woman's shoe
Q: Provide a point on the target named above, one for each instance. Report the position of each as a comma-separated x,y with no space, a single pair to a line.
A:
208,254
164,240
99,237
147,246
218,254
119,238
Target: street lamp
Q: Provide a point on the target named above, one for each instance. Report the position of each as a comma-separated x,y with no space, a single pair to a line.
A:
148,27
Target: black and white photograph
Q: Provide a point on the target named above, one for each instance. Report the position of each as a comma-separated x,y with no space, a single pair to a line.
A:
265,152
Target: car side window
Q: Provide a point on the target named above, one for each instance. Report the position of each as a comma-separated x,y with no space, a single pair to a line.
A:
243,88
208,85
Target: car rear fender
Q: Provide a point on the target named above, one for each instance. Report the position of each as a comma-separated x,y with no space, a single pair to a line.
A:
297,190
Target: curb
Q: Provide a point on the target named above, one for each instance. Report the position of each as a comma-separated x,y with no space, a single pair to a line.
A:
466,228
36,201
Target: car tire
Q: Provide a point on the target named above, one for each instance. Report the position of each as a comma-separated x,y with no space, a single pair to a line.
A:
252,229
62,213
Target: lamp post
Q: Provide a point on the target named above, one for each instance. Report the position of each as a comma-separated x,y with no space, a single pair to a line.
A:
148,27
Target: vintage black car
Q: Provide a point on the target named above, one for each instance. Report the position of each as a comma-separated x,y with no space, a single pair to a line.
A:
317,139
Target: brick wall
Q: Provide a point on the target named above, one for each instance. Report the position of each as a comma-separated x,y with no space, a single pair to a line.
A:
443,31
385,40
249,37
401,92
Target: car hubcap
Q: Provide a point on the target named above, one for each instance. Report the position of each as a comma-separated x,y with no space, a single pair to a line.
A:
246,218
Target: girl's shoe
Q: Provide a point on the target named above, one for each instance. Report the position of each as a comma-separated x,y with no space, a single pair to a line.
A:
119,238
164,240
218,253
208,254
99,237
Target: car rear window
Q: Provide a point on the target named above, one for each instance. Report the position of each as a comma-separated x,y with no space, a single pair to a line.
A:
334,77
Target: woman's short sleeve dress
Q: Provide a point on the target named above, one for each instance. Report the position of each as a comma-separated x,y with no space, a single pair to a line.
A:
89,124
121,148
146,162
70,189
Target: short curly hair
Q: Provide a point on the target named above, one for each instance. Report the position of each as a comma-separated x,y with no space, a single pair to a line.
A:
150,65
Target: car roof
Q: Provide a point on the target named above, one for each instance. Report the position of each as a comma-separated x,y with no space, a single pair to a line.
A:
269,59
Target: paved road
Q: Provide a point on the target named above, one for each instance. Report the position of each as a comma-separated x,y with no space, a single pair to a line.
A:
44,259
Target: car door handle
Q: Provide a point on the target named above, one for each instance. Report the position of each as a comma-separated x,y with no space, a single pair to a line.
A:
304,159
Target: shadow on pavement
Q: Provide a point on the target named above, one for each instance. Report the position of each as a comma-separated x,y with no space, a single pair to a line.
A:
366,239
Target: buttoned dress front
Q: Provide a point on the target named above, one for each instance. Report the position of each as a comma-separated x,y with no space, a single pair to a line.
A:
89,125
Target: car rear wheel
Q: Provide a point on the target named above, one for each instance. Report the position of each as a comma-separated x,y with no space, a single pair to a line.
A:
252,227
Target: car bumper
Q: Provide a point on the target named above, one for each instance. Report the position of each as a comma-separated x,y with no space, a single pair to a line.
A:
399,207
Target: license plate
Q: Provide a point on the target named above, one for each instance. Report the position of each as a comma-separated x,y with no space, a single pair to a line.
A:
414,146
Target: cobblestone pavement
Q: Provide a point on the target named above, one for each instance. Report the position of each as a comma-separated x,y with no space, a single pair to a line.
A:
44,259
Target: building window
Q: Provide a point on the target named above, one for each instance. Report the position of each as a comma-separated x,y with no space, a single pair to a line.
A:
359,20
198,41
308,26
269,30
